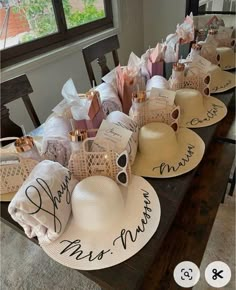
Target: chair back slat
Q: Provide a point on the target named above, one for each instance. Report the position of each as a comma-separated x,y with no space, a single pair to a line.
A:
12,90
97,51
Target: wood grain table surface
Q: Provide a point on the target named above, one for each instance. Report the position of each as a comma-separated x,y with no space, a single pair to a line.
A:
171,192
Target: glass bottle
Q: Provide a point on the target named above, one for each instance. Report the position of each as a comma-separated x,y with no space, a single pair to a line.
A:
76,139
178,72
27,149
195,50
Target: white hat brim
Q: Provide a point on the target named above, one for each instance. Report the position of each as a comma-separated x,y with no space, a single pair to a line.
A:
215,111
98,250
224,82
190,152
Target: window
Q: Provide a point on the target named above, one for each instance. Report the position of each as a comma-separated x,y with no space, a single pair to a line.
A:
32,27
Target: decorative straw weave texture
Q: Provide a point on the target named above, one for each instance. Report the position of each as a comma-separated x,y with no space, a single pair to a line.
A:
13,175
197,82
146,116
85,162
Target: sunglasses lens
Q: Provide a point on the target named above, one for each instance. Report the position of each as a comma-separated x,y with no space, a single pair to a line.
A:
122,178
122,160
174,126
175,114
207,80
206,91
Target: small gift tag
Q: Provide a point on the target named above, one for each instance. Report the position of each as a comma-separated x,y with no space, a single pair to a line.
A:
161,95
200,63
112,134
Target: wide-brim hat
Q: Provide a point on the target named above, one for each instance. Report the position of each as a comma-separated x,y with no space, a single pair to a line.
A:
227,58
165,153
221,81
88,243
197,111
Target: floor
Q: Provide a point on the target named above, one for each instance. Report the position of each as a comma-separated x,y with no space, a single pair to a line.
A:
25,266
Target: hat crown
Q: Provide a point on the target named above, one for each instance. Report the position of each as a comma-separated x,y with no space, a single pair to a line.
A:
190,101
97,203
157,138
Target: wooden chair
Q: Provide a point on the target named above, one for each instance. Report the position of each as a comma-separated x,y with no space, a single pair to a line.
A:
226,133
97,51
12,90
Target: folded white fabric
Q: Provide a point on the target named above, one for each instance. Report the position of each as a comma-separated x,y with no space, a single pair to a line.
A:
42,206
157,82
56,143
109,98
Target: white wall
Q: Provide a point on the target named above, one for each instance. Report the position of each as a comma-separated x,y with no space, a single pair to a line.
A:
161,18
141,22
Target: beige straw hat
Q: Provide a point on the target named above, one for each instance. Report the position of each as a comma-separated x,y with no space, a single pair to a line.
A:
227,57
165,153
197,111
221,81
108,225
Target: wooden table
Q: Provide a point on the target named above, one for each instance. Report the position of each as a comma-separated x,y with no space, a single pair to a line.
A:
188,202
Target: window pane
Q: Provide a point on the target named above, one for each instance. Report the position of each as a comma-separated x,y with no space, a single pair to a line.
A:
78,12
25,20
216,5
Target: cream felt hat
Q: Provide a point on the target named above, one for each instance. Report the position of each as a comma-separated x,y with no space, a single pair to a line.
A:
108,225
227,57
221,81
197,111
165,153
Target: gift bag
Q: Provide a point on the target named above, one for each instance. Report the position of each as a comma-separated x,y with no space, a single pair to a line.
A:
125,84
95,113
155,60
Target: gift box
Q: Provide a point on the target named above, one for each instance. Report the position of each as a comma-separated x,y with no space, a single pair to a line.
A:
155,68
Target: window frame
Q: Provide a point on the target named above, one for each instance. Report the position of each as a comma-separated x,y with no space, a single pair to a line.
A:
21,52
193,6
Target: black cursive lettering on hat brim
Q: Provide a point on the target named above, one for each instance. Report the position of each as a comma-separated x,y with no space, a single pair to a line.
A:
79,253
216,88
74,248
166,168
210,114
131,236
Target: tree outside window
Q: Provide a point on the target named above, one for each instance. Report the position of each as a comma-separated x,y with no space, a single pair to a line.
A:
26,22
